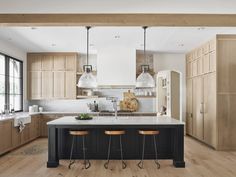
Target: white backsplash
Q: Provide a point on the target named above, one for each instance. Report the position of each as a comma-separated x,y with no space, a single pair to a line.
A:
145,104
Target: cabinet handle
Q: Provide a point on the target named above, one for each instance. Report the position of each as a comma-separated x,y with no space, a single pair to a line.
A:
201,108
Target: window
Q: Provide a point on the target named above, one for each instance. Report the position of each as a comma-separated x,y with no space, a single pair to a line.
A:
11,83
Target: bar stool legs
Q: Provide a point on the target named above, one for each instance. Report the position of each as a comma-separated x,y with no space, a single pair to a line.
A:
109,152
86,163
155,146
71,151
140,164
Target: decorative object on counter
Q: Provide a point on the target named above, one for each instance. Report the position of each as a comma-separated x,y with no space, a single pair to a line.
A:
36,108
93,106
145,80
87,80
40,109
130,102
31,109
84,117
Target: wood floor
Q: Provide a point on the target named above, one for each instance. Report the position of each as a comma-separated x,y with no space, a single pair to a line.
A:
201,161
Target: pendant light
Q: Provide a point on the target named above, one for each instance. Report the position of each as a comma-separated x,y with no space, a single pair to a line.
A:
87,80
145,80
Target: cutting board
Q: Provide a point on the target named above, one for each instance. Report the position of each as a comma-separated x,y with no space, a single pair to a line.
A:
130,102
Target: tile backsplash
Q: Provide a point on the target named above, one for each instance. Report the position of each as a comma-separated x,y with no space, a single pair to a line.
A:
80,105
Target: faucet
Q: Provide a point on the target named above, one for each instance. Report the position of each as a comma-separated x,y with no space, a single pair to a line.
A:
114,103
6,109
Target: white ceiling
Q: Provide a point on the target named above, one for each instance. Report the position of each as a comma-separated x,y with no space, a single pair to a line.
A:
73,39
118,6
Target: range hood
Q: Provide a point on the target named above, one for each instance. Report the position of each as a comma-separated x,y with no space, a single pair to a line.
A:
116,67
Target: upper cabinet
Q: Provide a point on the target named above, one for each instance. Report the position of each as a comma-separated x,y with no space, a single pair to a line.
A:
116,66
49,75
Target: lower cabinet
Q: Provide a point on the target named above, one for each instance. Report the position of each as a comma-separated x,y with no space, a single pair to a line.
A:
43,123
5,136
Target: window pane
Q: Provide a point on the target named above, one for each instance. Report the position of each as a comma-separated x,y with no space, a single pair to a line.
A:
2,84
2,65
2,102
15,102
15,85
14,68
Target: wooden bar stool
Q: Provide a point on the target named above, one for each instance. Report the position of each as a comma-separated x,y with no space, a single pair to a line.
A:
114,133
74,134
145,133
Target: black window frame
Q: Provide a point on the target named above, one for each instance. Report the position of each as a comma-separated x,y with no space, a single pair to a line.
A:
7,80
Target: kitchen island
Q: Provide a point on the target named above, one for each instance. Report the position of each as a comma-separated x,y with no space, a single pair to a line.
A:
170,141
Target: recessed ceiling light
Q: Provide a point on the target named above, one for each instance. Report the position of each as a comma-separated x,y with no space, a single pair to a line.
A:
117,36
181,45
33,28
53,45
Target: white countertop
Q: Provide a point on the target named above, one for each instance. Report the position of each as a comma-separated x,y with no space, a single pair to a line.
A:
121,120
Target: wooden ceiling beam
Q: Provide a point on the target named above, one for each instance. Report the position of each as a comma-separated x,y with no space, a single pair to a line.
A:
180,20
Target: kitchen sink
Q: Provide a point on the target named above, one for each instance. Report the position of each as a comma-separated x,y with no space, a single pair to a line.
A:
21,119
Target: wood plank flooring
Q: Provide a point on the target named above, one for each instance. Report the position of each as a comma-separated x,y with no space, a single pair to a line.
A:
201,161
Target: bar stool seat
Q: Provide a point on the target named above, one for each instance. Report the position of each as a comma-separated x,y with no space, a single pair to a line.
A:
75,133
145,133
115,133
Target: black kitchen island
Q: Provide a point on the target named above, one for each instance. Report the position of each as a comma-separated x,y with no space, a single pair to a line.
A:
170,141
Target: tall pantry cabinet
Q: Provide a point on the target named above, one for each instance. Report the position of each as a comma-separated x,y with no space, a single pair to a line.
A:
211,90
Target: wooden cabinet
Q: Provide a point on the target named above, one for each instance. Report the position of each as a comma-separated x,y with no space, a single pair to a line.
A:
189,116
206,64
213,95
59,84
34,127
47,63
210,109
5,136
47,84
16,137
35,84
194,68
59,63
25,134
70,84
43,124
52,75
198,107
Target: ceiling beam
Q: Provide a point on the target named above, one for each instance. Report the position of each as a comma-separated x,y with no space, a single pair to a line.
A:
180,20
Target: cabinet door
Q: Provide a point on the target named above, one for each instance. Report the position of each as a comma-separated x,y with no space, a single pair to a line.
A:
34,127
210,109
5,136
59,63
194,68
206,64
35,84
47,63
25,134
34,62
189,69
212,60
59,84
47,84
189,116
70,84
200,65
198,108
71,63
16,137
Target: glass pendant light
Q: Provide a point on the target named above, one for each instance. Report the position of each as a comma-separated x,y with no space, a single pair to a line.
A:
87,80
145,80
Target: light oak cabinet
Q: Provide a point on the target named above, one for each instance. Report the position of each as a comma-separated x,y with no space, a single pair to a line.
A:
213,94
5,136
52,75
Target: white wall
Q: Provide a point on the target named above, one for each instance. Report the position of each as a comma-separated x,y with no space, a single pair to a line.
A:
14,51
173,61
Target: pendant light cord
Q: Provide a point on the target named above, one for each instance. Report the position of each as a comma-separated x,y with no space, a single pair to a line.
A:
87,27
144,44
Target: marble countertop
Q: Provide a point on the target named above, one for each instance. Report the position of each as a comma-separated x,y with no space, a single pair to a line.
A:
17,114
121,120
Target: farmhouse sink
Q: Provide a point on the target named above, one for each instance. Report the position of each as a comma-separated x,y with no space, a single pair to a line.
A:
21,119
